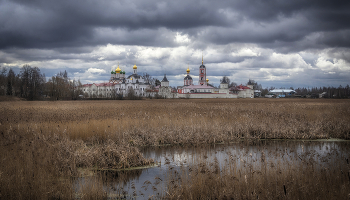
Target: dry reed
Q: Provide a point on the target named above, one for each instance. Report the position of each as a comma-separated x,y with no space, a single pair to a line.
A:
264,173
41,142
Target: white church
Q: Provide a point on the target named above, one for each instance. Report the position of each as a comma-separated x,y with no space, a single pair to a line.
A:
205,90
120,85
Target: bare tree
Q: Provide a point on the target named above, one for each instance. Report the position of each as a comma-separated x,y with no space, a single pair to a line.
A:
255,84
61,87
225,79
11,78
75,89
131,95
148,78
157,82
3,80
232,84
32,82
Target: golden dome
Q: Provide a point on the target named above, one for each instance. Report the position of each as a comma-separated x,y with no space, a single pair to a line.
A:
207,80
188,70
134,67
118,70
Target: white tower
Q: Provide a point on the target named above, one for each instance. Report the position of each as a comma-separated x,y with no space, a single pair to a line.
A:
202,74
165,82
134,69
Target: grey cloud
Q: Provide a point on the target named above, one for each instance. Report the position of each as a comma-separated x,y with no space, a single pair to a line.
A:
45,24
143,37
335,38
70,33
52,24
324,11
339,53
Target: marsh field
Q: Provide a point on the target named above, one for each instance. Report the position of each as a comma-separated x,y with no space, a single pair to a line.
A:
273,149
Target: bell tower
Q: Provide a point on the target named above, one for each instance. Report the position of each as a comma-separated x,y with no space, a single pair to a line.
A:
202,74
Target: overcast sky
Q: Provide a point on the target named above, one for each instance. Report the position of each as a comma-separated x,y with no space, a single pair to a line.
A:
280,43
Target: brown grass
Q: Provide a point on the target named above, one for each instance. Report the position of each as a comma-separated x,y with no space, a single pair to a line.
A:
10,98
41,142
92,189
276,174
31,168
154,122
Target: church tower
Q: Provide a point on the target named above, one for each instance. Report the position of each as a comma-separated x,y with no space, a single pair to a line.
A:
188,79
117,72
134,69
165,82
202,74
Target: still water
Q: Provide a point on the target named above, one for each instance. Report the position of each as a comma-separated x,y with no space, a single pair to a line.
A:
152,181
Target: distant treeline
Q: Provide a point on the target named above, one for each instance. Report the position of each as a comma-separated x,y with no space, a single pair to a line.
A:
31,84
314,92
327,92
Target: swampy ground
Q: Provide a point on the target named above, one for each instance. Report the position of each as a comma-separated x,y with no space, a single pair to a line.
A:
44,144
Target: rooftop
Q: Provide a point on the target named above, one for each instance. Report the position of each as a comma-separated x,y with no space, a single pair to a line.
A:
198,87
239,87
282,91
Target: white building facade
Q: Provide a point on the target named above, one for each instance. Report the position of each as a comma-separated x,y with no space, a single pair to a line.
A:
205,90
118,85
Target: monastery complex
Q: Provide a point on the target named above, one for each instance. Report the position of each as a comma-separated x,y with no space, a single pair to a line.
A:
120,85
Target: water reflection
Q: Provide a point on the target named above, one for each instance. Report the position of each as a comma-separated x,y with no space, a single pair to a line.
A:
152,181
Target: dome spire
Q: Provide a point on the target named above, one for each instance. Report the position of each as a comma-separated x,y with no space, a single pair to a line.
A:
188,69
202,58
118,69
134,68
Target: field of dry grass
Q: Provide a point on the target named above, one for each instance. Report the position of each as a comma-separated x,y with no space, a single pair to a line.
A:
41,142
154,122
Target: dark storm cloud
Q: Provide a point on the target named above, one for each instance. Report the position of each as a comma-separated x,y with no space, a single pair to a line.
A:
335,38
324,14
340,53
142,37
34,26
45,24
276,24
51,24
238,38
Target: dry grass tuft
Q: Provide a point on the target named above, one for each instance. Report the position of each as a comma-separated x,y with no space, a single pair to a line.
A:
31,168
91,189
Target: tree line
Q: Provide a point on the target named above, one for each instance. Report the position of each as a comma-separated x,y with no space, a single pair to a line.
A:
31,84
339,92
